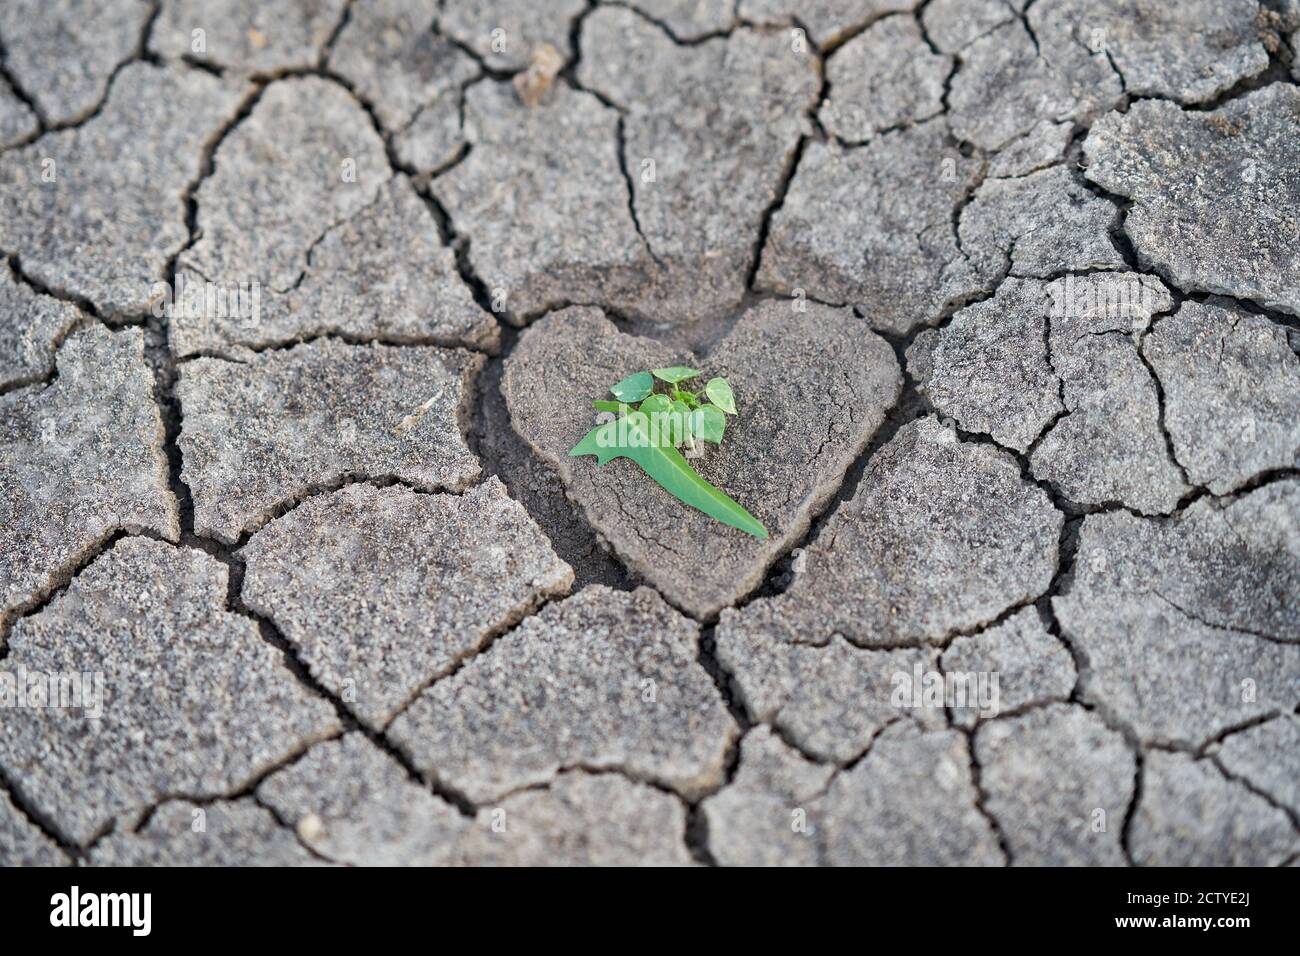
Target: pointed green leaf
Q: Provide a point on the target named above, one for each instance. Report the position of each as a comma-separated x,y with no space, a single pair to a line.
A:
634,387
603,441
708,423
629,437
678,373
719,392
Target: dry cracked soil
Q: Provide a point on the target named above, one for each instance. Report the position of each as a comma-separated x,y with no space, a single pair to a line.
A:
303,303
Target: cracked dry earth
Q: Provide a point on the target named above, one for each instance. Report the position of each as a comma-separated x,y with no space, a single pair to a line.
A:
1009,291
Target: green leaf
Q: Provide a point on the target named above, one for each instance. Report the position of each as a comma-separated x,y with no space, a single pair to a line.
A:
618,408
656,403
679,420
668,420
678,373
629,437
719,392
708,423
634,387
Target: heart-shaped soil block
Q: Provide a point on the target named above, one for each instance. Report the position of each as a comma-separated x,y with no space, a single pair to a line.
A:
812,385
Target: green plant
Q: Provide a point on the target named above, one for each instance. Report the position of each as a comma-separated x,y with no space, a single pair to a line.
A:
651,425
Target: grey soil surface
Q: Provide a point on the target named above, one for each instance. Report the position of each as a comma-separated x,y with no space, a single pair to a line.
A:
303,304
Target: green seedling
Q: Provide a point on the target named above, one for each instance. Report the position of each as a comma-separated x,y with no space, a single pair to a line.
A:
652,425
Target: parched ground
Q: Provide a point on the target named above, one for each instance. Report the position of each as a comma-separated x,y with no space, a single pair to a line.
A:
1009,293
